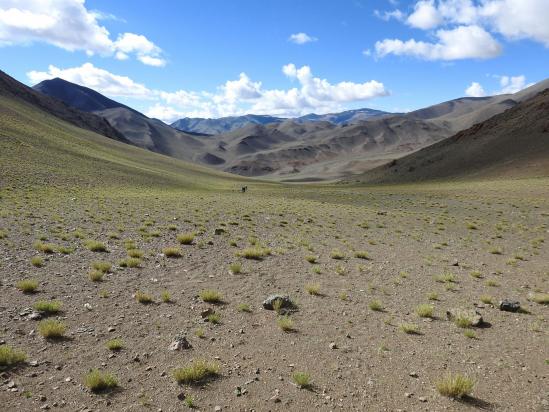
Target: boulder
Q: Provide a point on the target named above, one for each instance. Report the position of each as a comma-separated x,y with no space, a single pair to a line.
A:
180,342
285,302
509,305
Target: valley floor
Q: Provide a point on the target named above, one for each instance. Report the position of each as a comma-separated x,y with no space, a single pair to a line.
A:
447,245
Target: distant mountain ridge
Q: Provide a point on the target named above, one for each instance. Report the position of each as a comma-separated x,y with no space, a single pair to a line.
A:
230,123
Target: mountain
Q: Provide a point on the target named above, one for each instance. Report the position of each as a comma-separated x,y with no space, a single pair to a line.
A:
348,116
514,143
79,97
9,87
228,124
140,130
36,146
221,125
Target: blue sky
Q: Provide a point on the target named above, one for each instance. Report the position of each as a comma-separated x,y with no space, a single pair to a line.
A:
206,58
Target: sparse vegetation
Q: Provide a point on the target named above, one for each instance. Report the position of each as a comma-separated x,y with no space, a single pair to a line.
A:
285,323
186,238
235,268
210,296
95,245
313,289
172,252
10,357
51,329
37,261
143,297
98,381
409,328
425,311
301,379
455,386
27,285
375,305
115,344
48,306
244,307
196,372
255,253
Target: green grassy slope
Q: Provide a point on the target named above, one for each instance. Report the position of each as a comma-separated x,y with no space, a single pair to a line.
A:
40,150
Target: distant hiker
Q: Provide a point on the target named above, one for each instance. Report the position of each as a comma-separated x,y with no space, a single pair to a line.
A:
243,189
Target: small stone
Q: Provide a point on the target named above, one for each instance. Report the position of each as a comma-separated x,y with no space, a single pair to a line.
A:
181,396
509,305
413,374
88,306
218,408
12,384
46,406
285,302
207,312
333,345
238,391
111,329
180,342
35,316
68,379
408,394
422,399
42,398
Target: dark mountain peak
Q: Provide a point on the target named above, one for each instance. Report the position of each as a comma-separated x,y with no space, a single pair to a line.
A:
74,95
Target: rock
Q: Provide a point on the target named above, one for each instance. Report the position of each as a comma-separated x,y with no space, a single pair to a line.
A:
422,399
408,394
509,305
88,306
285,302
333,345
218,408
11,384
181,396
472,315
180,342
238,391
413,374
219,231
35,316
207,312
112,329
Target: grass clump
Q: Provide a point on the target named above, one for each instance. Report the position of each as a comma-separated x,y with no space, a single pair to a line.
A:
96,275
10,357
285,323
410,328
362,255
130,262
114,344
98,381
244,307
37,261
337,254
143,297
103,267
186,238
487,299
311,258
51,329
313,289
302,379
432,296
455,386
44,247
235,268
541,298
27,285
196,372
48,306
135,253
425,311
255,253
214,318
469,333
210,296
166,297
463,321
376,306
446,278
172,252
95,245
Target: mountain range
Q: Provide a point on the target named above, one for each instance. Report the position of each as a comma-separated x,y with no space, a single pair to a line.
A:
313,147
228,124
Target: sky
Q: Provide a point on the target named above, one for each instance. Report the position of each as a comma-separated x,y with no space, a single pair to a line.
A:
214,58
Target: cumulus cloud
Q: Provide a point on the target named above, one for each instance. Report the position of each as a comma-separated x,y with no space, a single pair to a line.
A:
462,23
475,90
425,15
234,97
507,84
68,24
388,15
301,38
95,78
463,42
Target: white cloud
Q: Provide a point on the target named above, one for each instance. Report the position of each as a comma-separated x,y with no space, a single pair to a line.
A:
512,84
388,15
234,97
507,84
68,24
301,38
425,15
463,42
475,90
95,78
